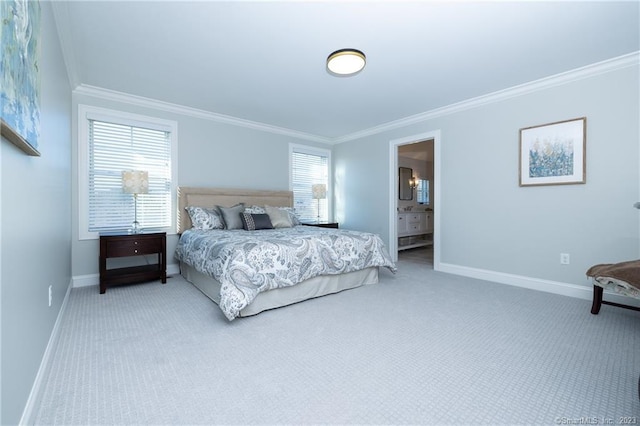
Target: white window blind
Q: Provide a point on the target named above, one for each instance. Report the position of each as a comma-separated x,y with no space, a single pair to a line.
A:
309,167
115,145
422,191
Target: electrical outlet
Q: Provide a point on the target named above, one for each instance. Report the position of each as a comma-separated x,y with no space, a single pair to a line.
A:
50,294
564,258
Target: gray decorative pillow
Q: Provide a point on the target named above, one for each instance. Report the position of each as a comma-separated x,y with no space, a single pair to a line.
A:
203,218
295,220
253,221
279,217
231,216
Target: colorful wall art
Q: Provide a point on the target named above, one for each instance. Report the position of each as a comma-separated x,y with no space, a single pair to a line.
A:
554,153
20,74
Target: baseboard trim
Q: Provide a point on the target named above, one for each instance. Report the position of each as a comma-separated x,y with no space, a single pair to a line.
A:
94,279
549,286
35,394
85,280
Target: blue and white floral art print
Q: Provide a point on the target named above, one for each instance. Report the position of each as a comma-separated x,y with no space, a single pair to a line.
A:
19,68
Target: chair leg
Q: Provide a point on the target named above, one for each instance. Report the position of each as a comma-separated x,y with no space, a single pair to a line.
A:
597,299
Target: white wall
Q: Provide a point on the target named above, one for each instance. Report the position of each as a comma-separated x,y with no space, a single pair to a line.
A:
210,154
36,231
488,222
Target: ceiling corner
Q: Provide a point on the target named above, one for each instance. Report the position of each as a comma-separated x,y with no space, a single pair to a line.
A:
63,25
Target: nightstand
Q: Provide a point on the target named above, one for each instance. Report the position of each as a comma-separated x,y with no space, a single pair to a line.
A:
128,245
323,224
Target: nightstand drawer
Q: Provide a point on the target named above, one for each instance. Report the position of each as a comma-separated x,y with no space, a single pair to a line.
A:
133,247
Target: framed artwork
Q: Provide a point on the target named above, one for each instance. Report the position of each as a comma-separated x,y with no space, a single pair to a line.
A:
19,73
554,153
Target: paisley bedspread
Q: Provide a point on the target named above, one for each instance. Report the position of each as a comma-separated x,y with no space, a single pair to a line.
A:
249,262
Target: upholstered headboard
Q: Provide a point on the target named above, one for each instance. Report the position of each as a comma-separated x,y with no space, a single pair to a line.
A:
211,197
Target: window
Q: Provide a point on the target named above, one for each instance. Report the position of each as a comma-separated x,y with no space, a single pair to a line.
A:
110,142
308,167
422,191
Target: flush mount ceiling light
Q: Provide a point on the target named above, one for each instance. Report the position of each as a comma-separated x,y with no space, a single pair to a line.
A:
346,62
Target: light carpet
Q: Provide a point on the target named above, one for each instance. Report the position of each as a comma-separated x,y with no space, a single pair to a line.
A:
420,347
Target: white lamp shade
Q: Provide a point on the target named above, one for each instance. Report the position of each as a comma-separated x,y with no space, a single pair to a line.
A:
319,191
135,182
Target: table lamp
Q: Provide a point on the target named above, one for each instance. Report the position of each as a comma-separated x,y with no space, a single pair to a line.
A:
135,182
319,192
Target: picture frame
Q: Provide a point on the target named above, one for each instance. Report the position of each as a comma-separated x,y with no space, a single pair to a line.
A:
20,74
553,153
12,136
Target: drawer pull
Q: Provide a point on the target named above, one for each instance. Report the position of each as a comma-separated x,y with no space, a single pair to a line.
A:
135,251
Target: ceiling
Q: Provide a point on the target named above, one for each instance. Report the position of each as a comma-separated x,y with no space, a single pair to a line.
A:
264,61
422,151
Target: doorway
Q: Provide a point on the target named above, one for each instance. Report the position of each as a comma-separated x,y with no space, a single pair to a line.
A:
415,202
421,154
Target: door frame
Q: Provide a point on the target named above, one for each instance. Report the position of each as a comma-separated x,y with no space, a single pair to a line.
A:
393,192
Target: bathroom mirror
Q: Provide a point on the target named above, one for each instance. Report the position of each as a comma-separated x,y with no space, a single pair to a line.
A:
405,192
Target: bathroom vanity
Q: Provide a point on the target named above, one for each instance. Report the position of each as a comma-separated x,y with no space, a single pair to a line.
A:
415,229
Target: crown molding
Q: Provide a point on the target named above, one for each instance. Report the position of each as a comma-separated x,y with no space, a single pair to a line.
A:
624,61
140,101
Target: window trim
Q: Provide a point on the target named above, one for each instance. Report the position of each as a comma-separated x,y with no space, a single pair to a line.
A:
305,149
86,113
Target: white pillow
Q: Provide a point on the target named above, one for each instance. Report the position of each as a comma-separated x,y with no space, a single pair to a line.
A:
255,210
204,218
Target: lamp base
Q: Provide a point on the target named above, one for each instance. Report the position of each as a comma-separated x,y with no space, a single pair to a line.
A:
135,228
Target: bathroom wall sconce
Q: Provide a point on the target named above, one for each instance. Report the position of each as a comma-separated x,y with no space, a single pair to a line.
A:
413,182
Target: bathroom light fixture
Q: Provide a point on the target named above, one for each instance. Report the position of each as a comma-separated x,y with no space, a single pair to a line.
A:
346,62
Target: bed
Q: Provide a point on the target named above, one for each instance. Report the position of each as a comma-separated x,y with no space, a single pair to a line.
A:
249,271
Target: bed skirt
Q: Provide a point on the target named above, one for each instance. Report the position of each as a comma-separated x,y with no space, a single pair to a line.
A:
309,289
